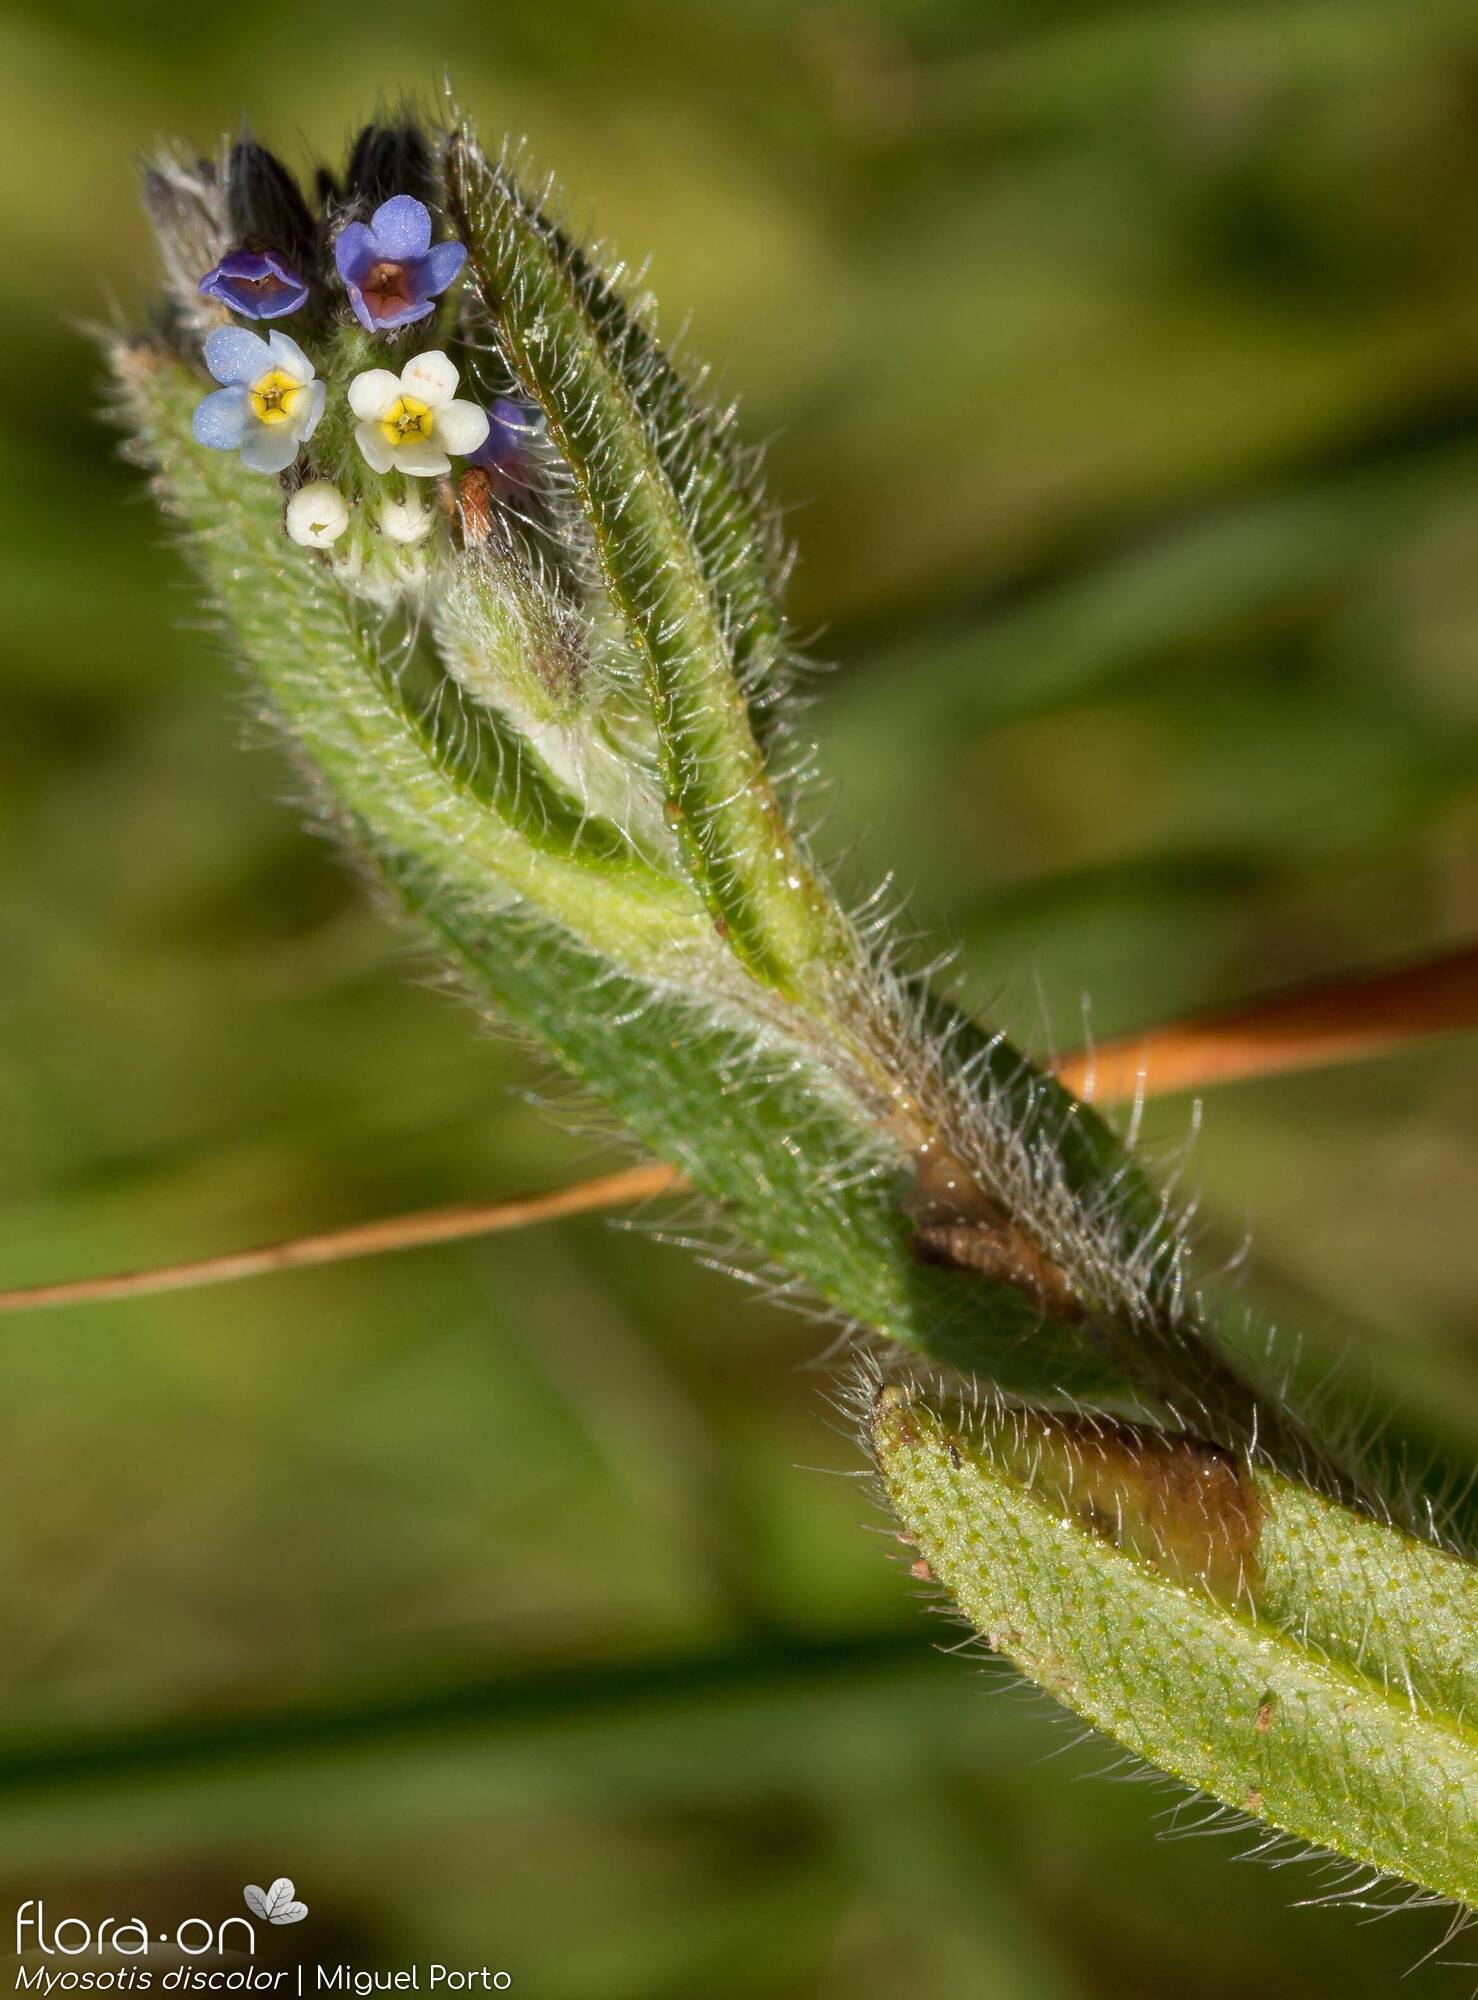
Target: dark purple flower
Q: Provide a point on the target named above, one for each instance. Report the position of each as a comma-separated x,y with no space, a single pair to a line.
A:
504,453
255,283
390,267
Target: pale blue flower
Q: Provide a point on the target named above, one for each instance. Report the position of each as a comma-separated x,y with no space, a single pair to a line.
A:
270,405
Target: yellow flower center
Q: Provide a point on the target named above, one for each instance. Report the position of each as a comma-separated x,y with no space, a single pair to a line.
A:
275,396
407,421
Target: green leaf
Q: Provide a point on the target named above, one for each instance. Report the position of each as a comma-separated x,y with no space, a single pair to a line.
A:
682,551
1305,1665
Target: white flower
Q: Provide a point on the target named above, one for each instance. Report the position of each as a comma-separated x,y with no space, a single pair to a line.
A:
270,404
317,514
407,521
410,421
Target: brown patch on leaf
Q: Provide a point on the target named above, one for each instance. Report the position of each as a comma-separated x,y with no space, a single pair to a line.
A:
1176,1502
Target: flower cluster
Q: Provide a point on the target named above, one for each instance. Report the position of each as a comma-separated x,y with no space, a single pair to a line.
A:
271,400
391,270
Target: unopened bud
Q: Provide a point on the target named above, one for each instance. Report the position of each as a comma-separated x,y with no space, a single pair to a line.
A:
317,515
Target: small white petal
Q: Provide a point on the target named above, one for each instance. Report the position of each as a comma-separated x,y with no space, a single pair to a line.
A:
312,410
372,393
422,460
374,446
461,427
431,376
407,521
289,357
269,447
317,515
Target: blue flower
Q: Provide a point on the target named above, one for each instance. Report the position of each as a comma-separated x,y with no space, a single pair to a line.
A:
270,404
256,283
504,453
390,267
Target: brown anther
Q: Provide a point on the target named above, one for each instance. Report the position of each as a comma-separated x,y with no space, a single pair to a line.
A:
475,497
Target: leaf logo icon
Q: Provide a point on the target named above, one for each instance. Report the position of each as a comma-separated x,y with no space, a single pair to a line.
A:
275,1905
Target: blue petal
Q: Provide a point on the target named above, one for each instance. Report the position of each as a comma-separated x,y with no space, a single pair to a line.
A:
402,228
233,355
258,284
387,322
354,251
440,265
220,419
361,310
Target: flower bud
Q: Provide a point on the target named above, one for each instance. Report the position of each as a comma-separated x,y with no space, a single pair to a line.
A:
317,515
266,204
407,521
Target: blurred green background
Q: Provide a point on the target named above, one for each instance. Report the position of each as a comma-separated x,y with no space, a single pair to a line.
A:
1121,366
